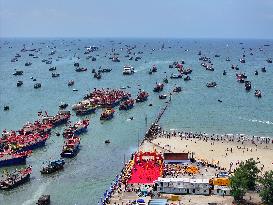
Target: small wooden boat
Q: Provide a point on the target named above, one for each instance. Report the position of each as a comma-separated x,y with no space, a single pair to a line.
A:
107,114
162,97
177,89
258,93
37,85
247,85
44,200
211,84
19,83
80,69
18,72
70,83
158,87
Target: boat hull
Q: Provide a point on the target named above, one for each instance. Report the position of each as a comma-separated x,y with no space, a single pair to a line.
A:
33,146
22,181
14,161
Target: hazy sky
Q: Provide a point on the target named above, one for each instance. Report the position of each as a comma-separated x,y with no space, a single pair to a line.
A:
137,18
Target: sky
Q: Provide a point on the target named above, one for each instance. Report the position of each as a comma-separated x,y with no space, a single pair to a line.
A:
137,18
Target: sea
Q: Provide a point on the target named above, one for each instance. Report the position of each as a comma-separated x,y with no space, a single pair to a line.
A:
196,109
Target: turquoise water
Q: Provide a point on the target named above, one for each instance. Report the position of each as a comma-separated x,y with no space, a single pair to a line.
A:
87,176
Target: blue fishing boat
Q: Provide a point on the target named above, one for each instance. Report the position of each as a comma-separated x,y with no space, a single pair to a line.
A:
53,166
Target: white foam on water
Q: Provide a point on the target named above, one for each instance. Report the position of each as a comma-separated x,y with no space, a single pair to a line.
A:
258,121
36,194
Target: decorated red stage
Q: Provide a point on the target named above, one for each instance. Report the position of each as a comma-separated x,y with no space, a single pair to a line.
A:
147,168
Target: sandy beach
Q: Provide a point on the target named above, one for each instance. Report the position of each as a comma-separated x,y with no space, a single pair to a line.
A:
223,151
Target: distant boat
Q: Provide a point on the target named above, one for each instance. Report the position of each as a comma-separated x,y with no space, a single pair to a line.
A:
128,70
37,85
18,72
19,83
211,84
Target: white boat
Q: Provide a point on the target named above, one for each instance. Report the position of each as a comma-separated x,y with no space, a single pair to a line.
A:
128,70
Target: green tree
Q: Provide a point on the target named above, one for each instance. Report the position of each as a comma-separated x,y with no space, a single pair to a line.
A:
238,184
267,187
251,172
244,178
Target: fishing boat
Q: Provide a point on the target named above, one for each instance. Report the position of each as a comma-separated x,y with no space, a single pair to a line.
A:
162,97
70,83
9,158
142,96
159,87
37,85
185,71
256,72
258,93
44,200
154,69
52,68
115,59
28,63
242,60
53,166
127,105
18,72
86,110
187,78
107,114
175,76
263,69
61,118
80,69
31,142
55,75
97,75
19,83
15,179
247,85
36,127
76,129
128,70
177,89
71,147
63,105
269,60
211,84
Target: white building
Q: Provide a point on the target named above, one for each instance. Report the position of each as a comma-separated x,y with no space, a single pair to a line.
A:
183,186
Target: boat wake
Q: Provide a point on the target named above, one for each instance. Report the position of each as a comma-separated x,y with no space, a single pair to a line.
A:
257,121
36,194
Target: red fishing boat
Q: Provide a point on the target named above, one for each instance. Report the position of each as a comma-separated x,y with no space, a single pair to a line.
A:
142,96
159,87
126,105
9,158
